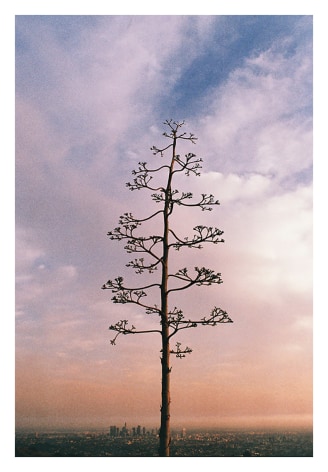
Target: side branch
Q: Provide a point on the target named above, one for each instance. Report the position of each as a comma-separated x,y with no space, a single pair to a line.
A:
117,285
140,266
203,277
121,328
134,243
217,316
143,178
173,134
178,322
128,223
203,234
130,295
191,163
206,202
180,353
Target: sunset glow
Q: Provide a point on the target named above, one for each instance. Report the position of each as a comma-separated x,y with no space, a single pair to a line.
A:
92,93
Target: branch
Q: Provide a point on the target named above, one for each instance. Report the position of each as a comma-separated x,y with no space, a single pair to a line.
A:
144,169
203,277
130,295
205,234
176,318
121,328
161,197
178,322
143,178
216,316
135,243
128,224
140,266
138,245
173,134
117,286
189,164
156,150
174,126
180,353
205,203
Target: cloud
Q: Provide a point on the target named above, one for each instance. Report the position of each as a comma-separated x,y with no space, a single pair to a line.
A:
234,188
259,119
88,108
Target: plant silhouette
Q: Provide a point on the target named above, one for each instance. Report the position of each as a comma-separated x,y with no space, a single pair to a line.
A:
156,250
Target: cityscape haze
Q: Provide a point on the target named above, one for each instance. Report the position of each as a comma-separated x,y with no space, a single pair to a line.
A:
137,441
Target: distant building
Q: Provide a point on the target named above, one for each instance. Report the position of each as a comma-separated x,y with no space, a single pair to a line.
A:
124,432
113,431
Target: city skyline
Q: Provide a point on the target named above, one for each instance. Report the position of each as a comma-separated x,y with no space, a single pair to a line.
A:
91,96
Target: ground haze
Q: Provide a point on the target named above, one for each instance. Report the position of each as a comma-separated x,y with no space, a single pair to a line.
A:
142,442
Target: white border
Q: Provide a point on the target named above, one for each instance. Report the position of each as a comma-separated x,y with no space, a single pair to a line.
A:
7,90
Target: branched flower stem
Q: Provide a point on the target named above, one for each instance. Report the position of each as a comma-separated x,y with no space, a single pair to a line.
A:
156,249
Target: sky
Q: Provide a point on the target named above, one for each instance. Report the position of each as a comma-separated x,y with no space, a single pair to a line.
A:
92,93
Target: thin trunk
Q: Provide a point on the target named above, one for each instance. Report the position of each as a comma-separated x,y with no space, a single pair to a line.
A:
165,435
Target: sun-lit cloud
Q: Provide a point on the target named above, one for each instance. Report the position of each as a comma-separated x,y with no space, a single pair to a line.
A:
92,94
259,119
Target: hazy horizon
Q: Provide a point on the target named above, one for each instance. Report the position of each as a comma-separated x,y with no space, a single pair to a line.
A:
245,425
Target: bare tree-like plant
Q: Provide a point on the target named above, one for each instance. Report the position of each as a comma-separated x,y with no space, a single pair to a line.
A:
157,249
